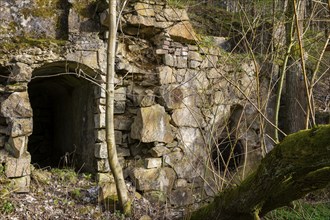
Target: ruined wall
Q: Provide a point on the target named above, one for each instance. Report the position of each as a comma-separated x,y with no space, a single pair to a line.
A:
175,100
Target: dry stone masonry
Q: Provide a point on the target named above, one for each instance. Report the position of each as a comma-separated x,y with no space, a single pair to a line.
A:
174,98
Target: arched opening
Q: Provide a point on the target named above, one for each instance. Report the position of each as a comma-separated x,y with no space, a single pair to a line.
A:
227,154
63,120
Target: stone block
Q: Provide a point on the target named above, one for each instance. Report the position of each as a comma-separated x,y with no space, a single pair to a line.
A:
122,123
102,165
193,55
120,94
159,151
18,167
99,92
104,177
165,75
17,146
16,105
99,120
182,32
194,64
182,62
152,163
161,51
21,184
188,117
152,124
119,107
100,135
144,9
20,126
175,14
168,60
101,151
160,179
20,72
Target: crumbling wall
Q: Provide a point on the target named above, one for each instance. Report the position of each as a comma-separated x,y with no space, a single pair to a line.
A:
174,100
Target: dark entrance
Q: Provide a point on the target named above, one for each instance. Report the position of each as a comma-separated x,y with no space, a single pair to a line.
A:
63,122
227,154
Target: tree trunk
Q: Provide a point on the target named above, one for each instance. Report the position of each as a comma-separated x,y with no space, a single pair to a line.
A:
110,133
298,165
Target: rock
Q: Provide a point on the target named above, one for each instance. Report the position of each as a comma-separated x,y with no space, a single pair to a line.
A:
165,75
108,194
181,62
148,99
122,123
21,184
144,9
188,117
3,156
172,96
20,126
159,151
100,150
104,178
152,124
181,197
2,141
169,60
123,152
18,167
145,217
156,179
193,55
99,120
99,135
152,163
120,94
16,105
102,165
155,197
175,14
180,183
182,32
20,72
17,146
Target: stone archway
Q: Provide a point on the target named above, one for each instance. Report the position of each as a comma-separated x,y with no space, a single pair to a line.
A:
63,104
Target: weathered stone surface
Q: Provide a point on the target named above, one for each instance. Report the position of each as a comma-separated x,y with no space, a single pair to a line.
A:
148,99
165,75
188,117
20,126
99,120
210,61
20,72
102,165
159,151
181,197
100,150
182,32
120,94
180,183
119,107
104,177
16,105
3,156
99,135
169,60
175,14
2,141
144,9
89,58
161,179
122,123
193,55
17,146
152,124
181,62
108,193
155,197
194,64
172,96
123,152
152,163
18,167
21,184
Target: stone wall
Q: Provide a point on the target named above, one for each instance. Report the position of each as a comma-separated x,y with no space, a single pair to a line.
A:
175,101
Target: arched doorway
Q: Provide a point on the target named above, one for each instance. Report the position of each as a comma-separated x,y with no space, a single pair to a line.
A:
63,117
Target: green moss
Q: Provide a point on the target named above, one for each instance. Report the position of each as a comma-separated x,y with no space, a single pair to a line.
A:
85,7
21,43
42,8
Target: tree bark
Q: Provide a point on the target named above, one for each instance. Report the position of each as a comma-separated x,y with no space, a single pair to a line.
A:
110,131
298,165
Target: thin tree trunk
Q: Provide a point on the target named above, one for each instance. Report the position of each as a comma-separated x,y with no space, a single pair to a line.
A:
110,133
298,165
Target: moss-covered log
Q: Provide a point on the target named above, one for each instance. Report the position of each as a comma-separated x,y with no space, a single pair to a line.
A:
298,165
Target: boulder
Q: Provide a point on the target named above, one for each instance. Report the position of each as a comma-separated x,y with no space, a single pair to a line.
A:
152,124
16,105
156,179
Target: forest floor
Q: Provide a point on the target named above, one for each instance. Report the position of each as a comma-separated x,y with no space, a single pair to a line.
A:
64,194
